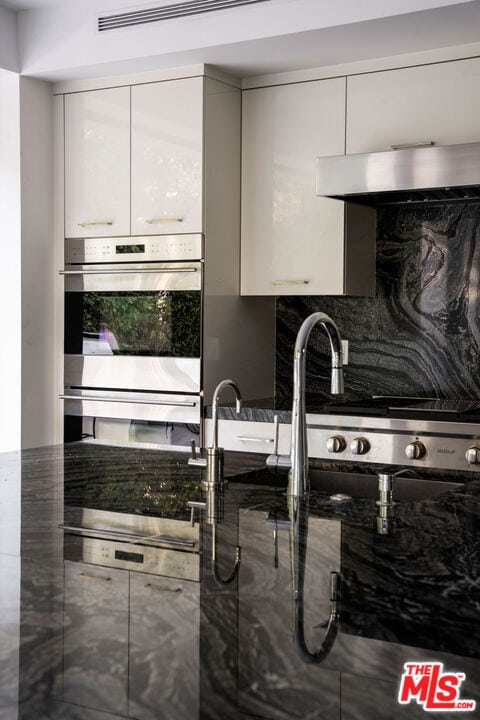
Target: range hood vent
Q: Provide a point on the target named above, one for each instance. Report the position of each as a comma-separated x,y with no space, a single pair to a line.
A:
168,12
434,174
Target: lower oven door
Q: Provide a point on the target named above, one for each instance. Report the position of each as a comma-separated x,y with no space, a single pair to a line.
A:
134,326
161,420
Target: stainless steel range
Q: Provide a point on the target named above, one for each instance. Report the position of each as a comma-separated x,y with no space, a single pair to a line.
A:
411,432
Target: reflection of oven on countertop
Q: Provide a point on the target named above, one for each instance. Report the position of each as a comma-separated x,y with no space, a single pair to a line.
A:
128,508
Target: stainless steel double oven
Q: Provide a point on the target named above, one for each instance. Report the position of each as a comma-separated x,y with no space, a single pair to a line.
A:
133,338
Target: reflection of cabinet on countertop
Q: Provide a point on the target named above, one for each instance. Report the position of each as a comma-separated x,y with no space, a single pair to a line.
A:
294,243
131,642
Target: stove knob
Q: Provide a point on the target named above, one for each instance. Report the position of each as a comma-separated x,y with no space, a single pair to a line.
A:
473,455
415,450
359,446
336,444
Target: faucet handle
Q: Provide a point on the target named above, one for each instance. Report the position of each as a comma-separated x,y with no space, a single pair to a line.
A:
195,459
195,505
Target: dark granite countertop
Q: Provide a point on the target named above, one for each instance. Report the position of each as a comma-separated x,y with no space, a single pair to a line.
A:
82,642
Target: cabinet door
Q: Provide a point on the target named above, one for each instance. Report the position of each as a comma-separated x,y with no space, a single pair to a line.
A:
249,436
292,241
95,645
164,648
167,160
438,103
97,163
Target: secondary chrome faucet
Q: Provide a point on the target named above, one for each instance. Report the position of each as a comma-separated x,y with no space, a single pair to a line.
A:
213,483
213,460
299,483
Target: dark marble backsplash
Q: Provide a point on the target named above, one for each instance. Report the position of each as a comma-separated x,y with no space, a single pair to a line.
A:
420,334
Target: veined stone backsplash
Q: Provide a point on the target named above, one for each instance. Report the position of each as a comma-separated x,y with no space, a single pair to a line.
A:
420,334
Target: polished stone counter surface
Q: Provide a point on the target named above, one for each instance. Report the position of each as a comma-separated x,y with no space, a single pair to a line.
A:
83,642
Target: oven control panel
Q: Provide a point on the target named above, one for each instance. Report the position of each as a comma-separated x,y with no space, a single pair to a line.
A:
390,448
154,248
130,556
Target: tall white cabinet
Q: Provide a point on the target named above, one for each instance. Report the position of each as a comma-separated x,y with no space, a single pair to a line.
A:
97,163
294,243
167,157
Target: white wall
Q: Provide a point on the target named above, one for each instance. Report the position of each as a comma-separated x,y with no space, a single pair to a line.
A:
8,40
10,263
36,142
26,263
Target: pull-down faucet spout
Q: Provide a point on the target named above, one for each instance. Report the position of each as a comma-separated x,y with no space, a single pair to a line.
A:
299,483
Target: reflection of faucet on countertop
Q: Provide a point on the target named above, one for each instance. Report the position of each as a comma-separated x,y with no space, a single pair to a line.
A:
299,511
213,484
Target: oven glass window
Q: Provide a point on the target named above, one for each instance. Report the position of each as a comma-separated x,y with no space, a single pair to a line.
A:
156,323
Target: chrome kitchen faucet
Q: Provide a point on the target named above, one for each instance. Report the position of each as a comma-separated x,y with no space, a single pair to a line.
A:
299,483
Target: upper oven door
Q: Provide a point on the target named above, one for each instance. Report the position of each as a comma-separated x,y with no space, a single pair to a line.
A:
134,326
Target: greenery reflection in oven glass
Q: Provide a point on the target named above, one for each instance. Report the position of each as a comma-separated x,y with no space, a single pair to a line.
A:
145,323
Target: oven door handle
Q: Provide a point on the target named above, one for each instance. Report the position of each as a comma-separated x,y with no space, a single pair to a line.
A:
129,271
135,401
131,536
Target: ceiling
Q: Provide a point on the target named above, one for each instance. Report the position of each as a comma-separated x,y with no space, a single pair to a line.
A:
58,39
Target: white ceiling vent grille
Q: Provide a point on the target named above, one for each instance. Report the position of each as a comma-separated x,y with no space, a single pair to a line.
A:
168,12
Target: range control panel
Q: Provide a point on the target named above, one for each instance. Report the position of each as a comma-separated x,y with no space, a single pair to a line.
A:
415,450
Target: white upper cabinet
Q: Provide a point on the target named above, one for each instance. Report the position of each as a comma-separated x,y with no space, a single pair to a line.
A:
167,157
97,163
438,103
292,241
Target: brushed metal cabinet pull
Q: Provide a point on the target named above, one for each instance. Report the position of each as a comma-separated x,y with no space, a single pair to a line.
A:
245,438
153,221
158,588
95,222
419,144
290,282
86,576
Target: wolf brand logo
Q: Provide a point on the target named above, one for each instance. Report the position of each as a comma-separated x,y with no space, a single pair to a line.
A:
428,685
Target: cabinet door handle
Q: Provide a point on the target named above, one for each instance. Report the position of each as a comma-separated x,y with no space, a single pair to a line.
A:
137,401
136,271
246,438
419,144
153,221
290,282
95,222
158,588
100,578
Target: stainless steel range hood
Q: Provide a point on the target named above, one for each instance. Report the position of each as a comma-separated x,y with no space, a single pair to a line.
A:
413,174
